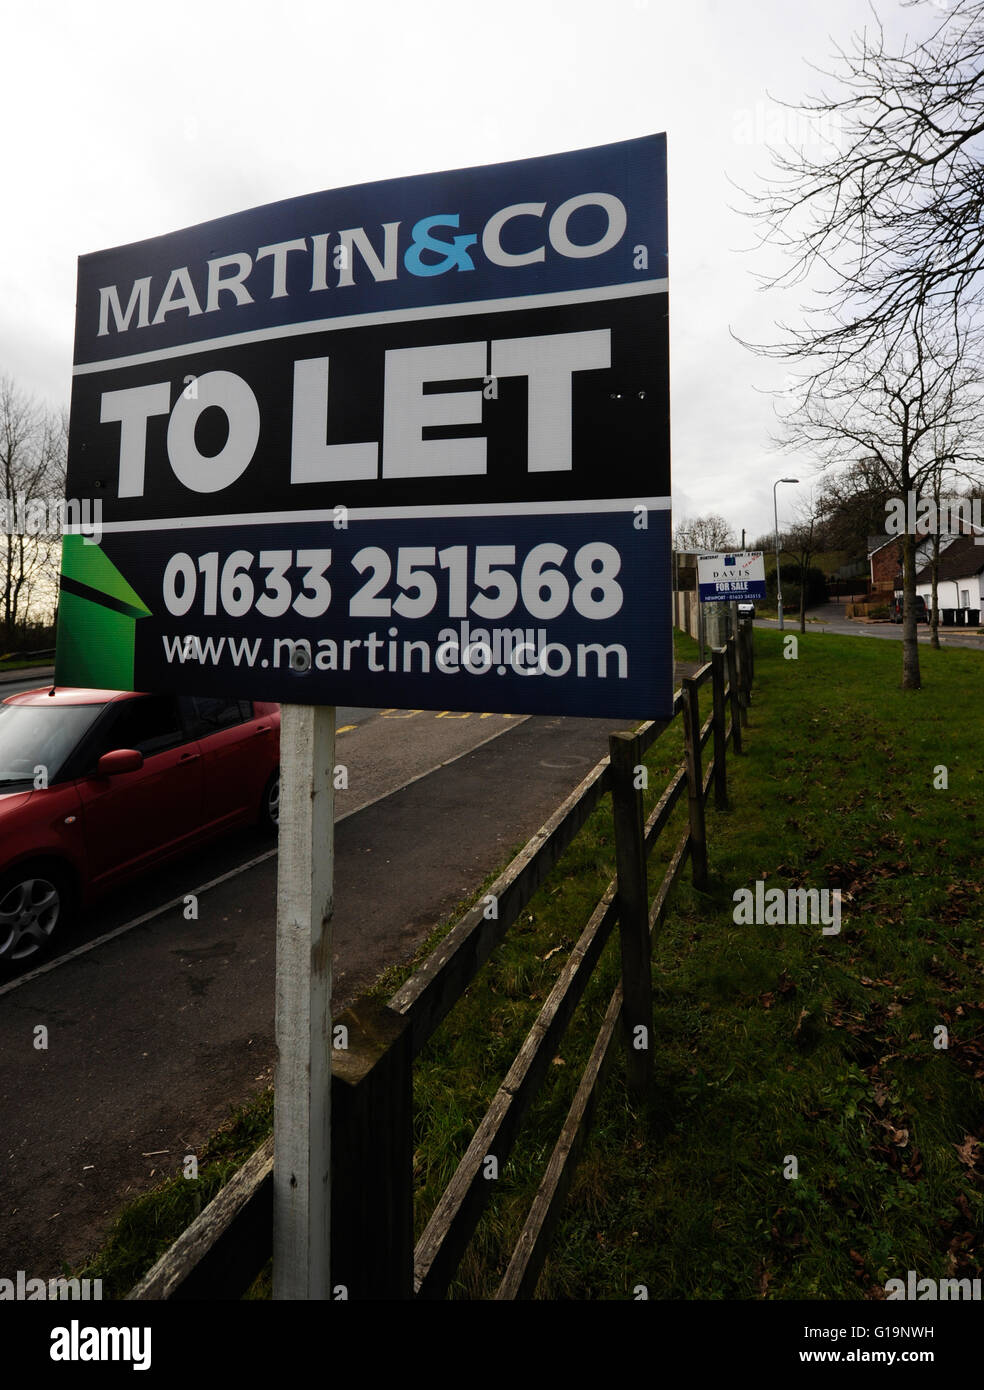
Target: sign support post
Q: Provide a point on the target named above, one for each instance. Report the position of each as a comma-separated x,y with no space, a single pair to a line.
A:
302,1085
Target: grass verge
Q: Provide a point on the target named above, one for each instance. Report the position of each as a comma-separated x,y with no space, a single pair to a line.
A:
21,665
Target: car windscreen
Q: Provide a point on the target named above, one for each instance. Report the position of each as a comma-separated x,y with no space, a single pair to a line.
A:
37,740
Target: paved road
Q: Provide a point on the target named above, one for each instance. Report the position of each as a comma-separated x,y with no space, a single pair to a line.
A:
829,617
155,1034
382,763
25,679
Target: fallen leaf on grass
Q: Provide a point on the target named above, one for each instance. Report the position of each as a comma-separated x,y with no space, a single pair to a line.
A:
900,1137
967,1151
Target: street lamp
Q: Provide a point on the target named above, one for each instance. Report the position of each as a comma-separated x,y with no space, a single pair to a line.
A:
775,514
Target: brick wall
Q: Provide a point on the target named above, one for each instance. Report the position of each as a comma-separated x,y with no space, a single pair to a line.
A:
885,566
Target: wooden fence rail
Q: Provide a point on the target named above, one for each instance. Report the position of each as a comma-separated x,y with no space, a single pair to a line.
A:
373,1255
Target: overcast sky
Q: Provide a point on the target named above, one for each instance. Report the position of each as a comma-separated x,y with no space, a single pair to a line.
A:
123,121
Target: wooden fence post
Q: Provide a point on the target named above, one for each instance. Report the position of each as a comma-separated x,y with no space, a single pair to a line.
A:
741,657
720,738
372,1154
732,660
749,664
695,782
751,655
633,909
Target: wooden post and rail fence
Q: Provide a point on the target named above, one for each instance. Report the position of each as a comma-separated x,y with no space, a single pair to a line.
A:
373,1255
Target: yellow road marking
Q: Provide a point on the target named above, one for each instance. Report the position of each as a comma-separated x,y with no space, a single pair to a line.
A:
441,714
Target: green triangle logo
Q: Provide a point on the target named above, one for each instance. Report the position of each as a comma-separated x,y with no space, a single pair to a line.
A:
91,566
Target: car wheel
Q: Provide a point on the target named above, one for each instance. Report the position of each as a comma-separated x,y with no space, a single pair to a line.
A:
35,902
270,805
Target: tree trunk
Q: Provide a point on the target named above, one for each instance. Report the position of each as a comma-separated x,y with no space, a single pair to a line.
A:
910,647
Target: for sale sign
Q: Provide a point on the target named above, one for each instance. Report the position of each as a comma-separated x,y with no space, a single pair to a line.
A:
400,444
725,577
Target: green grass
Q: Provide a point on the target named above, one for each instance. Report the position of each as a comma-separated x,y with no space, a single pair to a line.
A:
771,1041
21,665
685,647
776,1041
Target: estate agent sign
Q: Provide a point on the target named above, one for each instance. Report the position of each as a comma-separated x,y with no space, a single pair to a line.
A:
726,577
399,444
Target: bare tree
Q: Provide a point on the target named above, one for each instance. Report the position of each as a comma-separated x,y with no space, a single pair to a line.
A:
704,533
890,409
32,481
890,212
852,504
805,539
765,542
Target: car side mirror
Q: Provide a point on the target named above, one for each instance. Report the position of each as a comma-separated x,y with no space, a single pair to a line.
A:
120,760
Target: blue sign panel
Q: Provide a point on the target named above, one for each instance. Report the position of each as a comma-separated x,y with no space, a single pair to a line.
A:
404,444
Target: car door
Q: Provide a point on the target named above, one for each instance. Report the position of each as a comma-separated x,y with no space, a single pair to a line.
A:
134,818
236,756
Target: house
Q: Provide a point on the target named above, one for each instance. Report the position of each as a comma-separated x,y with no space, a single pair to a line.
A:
885,555
885,559
961,576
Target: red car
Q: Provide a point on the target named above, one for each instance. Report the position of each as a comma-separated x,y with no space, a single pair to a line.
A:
97,786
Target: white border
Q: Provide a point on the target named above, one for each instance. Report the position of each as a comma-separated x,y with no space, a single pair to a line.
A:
428,311
439,509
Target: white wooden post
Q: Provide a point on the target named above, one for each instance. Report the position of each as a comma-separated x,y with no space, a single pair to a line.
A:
302,1083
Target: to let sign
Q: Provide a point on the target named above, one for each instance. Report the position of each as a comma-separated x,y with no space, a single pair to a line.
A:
727,576
400,444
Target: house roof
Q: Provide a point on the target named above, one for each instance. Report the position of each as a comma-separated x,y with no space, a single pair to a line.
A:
961,558
876,543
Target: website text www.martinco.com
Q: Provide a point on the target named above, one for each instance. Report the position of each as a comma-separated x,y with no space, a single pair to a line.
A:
475,651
